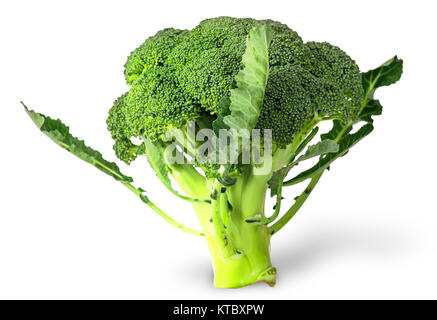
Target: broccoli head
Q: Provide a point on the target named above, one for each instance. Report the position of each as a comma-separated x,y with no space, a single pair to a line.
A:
179,75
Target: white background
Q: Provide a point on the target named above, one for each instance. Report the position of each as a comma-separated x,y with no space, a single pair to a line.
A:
369,230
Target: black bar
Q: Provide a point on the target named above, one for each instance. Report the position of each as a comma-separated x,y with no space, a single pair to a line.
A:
203,309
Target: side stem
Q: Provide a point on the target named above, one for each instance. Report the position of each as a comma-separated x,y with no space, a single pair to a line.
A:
296,206
165,216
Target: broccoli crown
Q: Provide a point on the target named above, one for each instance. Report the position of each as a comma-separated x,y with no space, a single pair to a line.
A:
324,82
180,75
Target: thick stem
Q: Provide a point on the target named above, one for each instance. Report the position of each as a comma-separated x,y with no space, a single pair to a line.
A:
250,266
249,243
239,250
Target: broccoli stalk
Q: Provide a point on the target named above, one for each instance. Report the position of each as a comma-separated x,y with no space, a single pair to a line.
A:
239,250
235,75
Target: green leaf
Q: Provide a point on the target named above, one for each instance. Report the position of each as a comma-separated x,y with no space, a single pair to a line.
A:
242,109
337,128
156,160
60,134
372,108
274,182
247,98
307,140
385,75
350,140
344,145
318,149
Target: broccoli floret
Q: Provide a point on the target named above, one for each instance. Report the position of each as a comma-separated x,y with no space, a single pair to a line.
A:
341,79
325,82
116,120
152,53
290,102
124,149
156,103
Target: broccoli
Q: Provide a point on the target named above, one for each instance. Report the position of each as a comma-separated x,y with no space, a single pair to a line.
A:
240,76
